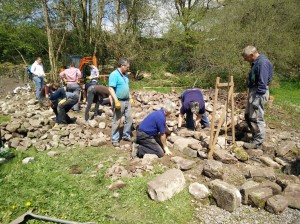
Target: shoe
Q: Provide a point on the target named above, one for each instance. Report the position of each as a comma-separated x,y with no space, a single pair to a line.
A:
134,150
252,145
127,139
116,144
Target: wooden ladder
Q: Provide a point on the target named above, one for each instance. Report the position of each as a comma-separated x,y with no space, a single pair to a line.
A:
214,135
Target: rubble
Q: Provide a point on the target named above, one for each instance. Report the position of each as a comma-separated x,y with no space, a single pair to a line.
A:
233,172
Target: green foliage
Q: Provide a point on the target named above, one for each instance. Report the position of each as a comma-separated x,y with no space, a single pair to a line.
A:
47,186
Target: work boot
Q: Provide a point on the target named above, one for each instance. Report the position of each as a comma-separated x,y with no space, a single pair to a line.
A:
134,150
127,139
252,145
116,144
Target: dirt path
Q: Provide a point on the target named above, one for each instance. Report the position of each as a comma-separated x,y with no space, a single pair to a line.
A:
8,84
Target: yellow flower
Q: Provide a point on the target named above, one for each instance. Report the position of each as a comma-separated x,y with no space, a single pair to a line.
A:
28,203
13,207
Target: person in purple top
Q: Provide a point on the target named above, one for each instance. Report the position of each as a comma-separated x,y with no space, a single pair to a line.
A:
151,133
258,82
192,103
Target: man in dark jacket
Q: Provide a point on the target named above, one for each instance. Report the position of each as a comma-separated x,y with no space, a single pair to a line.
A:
259,79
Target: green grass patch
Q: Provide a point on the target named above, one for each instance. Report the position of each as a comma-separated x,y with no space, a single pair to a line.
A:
284,111
47,186
4,118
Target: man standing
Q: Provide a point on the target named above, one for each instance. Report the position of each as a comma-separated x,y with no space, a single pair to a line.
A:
38,75
259,78
72,76
151,133
119,90
192,102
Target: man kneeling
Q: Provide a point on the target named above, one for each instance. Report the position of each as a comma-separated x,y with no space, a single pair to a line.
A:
151,133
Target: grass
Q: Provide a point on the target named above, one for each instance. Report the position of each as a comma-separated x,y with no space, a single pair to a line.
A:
284,112
47,186
4,118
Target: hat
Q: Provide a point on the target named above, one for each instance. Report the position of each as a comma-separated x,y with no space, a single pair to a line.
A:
195,107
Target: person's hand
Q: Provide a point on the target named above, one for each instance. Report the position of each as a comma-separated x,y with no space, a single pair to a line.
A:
62,101
177,130
167,151
256,103
131,101
117,105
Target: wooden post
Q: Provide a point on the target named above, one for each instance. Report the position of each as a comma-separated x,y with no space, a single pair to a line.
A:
214,136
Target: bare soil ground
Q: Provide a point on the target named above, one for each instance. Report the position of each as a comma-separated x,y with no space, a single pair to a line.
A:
8,84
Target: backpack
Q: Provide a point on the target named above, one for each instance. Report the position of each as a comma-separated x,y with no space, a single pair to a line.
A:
30,75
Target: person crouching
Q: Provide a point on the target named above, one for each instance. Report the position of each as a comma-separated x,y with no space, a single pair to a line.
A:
151,133
62,102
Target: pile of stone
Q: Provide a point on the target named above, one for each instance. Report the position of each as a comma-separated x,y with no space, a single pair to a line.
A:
265,178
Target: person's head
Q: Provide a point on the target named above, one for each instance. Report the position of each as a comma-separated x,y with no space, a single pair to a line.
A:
250,53
195,107
39,60
90,64
49,83
124,64
169,107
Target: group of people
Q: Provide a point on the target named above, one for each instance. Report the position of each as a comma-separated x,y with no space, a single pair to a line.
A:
151,133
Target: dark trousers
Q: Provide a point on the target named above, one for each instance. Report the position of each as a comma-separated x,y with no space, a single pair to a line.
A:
63,109
148,145
90,99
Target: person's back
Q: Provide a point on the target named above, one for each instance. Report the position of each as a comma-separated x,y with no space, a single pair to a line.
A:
71,74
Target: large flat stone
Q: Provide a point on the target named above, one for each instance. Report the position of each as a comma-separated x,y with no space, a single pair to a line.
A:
227,196
180,142
276,204
292,194
166,185
259,196
284,148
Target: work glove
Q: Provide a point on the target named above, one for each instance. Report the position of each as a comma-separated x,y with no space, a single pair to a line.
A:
256,103
167,150
177,130
62,101
131,101
117,105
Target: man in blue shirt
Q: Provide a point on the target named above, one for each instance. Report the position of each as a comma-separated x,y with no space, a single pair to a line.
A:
259,78
151,133
192,103
119,90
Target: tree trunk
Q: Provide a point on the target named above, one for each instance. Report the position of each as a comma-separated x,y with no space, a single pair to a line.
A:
49,37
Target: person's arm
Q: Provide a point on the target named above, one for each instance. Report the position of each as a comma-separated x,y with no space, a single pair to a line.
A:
114,96
180,118
163,139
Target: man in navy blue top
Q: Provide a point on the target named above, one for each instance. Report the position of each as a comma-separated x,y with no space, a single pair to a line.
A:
119,90
258,82
151,133
192,103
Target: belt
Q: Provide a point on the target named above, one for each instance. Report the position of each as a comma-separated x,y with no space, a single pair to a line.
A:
123,99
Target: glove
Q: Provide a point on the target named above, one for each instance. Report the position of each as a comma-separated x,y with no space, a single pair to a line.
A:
167,151
256,103
62,101
131,101
177,130
117,105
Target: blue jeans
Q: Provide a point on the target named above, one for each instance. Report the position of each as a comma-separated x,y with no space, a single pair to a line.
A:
39,82
190,121
74,88
126,111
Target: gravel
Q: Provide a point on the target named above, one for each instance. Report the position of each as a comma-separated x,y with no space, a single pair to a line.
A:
244,215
